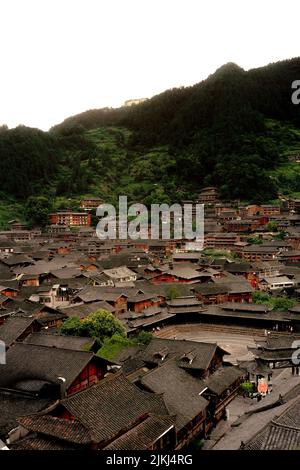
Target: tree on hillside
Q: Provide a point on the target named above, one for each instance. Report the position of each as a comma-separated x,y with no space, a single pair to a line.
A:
37,210
29,159
3,128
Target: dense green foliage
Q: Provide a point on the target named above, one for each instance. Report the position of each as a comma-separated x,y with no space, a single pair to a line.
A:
272,226
97,325
234,130
37,210
275,303
247,387
228,130
255,240
9,210
111,347
144,337
29,159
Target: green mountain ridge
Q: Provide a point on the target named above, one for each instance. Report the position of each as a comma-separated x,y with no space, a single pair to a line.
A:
235,130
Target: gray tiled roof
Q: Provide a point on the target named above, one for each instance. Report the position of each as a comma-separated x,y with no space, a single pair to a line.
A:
203,352
14,405
96,406
282,433
13,327
33,364
75,343
222,378
72,431
144,434
83,310
93,294
180,391
34,442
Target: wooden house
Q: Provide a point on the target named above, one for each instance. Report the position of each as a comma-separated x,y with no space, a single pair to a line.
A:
211,293
220,389
50,371
90,203
17,329
29,280
142,421
95,294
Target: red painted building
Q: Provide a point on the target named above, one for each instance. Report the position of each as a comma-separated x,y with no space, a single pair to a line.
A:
91,374
8,291
70,218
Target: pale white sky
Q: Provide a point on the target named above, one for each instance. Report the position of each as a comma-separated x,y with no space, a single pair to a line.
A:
62,57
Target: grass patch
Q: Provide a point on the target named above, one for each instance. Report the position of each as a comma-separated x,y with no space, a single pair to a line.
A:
112,347
10,210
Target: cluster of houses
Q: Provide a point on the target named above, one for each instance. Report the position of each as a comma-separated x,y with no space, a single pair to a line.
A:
159,396
54,394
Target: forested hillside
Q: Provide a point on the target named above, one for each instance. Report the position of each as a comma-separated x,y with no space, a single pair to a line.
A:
235,130
229,130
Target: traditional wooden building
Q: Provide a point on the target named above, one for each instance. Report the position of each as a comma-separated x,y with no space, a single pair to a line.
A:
55,340
256,253
181,392
201,359
178,273
221,240
290,257
6,246
241,226
95,294
212,293
89,420
184,306
294,205
17,329
90,203
196,387
278,351
4,302
263,209
46,316
139,302
9,291
49,371
208,195
220,389
82,310
30,280
248,315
